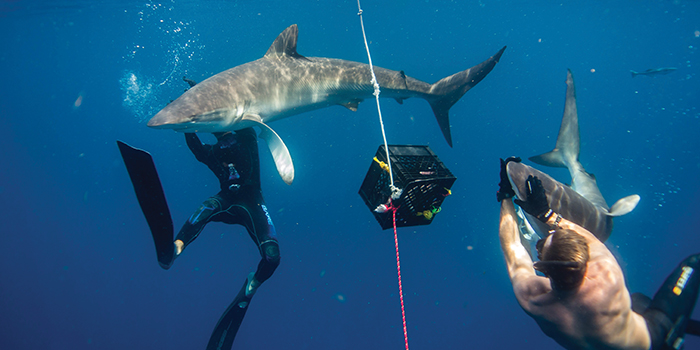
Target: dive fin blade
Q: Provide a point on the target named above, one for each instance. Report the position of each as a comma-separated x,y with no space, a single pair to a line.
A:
624,205
693,327
226,329
149,192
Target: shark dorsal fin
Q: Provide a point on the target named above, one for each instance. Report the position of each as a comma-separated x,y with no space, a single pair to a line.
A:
285,45
568,144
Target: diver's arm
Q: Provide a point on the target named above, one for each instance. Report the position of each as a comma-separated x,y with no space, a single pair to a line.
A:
518,260
527,285
196,146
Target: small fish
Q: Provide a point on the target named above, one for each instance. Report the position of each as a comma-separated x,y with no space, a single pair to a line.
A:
654,71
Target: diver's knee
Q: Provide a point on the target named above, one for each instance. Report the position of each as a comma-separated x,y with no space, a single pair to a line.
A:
271,252
692,260
205,211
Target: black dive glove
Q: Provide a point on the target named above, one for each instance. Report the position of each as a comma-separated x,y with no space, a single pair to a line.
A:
505,189
536,204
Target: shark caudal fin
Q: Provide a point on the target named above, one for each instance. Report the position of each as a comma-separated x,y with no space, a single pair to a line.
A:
447,91
568,143
634,74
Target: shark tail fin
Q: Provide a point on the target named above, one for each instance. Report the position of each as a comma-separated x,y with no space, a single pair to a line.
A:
447,91
634,74
624,205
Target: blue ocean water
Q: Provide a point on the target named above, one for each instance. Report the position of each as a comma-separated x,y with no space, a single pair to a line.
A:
78,264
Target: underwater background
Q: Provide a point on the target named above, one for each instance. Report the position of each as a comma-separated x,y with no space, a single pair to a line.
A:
79,269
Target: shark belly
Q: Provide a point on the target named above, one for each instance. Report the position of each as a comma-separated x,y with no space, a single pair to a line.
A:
586,185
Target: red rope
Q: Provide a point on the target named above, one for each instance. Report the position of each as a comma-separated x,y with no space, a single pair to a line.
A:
398,269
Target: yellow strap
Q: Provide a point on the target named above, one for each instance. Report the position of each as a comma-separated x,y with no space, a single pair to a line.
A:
382,164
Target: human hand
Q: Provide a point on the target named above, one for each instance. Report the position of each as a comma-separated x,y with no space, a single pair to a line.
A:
505,189
536,204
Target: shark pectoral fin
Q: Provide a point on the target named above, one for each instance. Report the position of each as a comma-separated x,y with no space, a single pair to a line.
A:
554,159
352,105
624,205
280,153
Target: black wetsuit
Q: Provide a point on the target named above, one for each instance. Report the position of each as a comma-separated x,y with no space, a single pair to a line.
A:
235,162
668,314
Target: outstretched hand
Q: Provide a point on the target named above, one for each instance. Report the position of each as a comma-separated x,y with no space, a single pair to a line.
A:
536,203
505,189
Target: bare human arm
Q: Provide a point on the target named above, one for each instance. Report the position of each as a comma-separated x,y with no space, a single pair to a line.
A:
526,283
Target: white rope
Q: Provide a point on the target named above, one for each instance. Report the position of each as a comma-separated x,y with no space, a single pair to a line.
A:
394,190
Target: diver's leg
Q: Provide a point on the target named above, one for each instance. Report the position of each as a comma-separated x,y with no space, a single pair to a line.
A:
672,305
640,302
263,233
195,224
259,225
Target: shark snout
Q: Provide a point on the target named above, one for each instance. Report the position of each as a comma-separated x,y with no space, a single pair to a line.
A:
167,120
156,122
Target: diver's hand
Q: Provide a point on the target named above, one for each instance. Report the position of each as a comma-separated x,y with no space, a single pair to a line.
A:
505,189
536,204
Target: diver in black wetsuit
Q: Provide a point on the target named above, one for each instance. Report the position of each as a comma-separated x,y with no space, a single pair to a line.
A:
235,162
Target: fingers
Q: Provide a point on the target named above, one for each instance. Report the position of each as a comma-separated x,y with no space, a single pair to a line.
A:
530,179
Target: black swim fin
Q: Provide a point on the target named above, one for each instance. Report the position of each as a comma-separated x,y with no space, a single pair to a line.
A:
151,197
227,327
693,327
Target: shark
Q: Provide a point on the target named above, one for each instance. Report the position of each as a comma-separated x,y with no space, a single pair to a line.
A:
654,71
582,202
284,83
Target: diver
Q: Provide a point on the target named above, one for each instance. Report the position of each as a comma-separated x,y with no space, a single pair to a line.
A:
234,160
582,301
